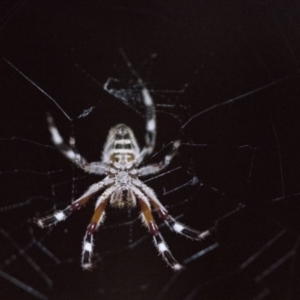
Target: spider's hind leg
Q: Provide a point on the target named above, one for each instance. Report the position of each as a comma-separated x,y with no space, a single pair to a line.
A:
159,241
61,215
98,217
181,228
88,241
169,220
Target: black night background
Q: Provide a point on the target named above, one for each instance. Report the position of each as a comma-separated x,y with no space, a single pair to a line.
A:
224,76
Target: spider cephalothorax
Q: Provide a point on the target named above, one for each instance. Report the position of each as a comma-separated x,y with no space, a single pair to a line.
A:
120,164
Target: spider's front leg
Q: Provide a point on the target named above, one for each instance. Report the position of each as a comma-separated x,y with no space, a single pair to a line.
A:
150,135
71,153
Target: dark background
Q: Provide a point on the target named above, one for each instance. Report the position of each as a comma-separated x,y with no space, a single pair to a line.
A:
193,55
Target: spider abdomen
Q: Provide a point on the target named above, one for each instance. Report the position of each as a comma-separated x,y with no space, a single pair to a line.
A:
121,145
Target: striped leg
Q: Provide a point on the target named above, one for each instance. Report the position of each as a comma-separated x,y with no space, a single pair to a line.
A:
150,136
61,215
69,151
88,241
169,220
155,168
159,242
179,227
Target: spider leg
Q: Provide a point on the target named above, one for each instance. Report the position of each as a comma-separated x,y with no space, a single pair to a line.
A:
97,219
150,135
180,227
61,215
70,151
168,219
159,241
155,168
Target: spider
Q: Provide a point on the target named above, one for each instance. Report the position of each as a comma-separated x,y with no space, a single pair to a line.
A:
121,165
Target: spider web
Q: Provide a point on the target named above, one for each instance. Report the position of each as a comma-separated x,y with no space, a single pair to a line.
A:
224,78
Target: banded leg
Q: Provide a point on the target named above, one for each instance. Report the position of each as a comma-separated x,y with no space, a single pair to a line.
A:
61,215
159,241
156,168
150,136
71,153
179,227
88,241
169,220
